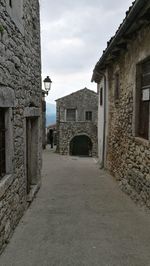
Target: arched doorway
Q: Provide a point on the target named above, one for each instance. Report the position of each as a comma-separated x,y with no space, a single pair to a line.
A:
81,146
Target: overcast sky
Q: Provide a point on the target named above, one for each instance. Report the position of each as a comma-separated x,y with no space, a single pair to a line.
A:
73,35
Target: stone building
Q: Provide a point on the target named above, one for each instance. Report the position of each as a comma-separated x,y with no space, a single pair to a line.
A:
76,119
123,78
20,110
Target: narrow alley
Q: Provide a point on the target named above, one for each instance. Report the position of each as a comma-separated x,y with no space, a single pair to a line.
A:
79,217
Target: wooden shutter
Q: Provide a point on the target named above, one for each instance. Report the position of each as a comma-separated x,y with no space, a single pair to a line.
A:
71,115
117,87
144,101
2,142
88,116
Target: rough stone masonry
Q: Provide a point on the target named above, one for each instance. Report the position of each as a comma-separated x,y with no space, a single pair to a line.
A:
129,156
126,66
20,101
82,101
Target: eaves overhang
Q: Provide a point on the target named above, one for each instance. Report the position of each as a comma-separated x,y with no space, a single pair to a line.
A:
119,41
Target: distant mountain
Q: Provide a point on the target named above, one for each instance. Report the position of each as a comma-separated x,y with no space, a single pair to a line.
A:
50,114
50,119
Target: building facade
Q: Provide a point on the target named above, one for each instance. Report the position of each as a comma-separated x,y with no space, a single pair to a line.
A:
76,119
20,110
123,78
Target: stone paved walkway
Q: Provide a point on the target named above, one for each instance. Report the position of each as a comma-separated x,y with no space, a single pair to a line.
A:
78,218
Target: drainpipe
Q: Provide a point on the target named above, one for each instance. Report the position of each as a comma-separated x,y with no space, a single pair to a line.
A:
104,125
104,128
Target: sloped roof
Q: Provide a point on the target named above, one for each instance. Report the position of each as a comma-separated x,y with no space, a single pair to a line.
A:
71,94
134,18
51,126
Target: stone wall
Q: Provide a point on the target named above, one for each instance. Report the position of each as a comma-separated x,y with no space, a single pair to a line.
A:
128,157
20,74
83,100
67,131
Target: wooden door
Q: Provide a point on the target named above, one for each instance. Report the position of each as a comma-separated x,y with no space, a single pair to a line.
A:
81,146
28,153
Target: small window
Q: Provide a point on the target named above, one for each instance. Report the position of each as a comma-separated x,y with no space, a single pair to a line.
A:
101,96
71,115
15,11
2,143
88,116
117,87
10,3
144,101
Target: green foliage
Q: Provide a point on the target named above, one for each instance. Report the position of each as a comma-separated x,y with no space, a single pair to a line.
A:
1,29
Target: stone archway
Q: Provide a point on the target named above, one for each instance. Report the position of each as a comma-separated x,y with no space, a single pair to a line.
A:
81,145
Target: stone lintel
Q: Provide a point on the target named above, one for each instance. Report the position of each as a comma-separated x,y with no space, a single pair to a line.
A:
7,97
31,112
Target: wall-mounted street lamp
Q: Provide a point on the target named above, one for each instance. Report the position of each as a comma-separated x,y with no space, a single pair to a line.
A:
47,84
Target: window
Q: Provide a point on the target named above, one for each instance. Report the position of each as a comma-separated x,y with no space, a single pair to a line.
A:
117,87
71,115
10,3
101,96
88,116
15,11
2,143
144,100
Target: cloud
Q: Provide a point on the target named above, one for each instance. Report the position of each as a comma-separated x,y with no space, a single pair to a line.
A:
58,8
74,34
62,84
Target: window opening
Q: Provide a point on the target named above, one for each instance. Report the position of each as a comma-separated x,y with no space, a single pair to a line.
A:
2,143
144,101
10,3
101,96
117,86
88,116
71,115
